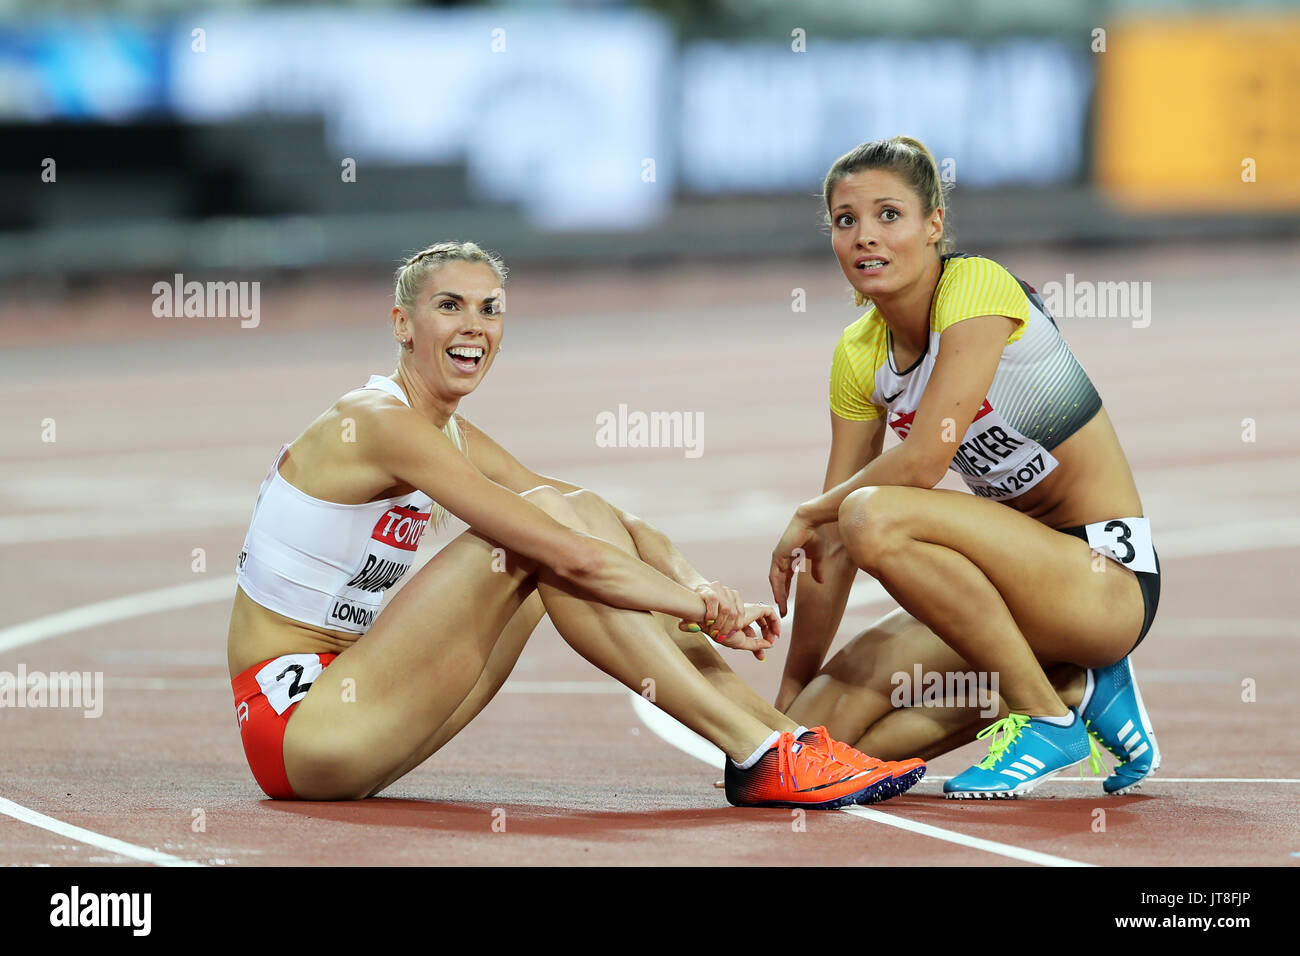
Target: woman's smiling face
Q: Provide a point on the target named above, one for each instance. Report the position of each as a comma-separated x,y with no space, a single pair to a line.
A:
456,326
881,232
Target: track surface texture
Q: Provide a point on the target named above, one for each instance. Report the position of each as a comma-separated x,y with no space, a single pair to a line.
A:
165,427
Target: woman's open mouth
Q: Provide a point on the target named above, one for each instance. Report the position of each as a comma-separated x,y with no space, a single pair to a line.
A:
466,358
870,265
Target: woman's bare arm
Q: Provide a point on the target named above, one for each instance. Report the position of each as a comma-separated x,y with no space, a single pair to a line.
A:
655,548
411,450
819,605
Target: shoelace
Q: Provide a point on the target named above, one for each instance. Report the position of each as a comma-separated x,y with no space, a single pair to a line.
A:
1094,757
784,758
1010,727
787,758
1094,753
827,743
1114,753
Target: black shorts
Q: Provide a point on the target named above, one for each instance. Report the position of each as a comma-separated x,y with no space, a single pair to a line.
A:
1148,581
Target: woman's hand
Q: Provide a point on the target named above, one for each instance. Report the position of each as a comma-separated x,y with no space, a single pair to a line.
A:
756,630
798,550
723,609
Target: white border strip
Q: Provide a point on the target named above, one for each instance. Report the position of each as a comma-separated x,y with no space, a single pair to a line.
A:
81,835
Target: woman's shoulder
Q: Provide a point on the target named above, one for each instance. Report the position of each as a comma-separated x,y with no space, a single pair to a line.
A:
974,285
365,419
968,269
868,326
367,400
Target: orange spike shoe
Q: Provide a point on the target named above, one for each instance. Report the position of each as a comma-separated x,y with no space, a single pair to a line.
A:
792,774
904,774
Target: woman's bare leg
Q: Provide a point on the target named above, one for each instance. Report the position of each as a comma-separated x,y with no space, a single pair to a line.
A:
701,652
704,657
1004,591
391,699
501,661
928,732
379,707
853,694
632,646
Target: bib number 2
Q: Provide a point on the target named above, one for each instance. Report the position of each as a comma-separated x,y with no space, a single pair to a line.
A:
1127,540
286,680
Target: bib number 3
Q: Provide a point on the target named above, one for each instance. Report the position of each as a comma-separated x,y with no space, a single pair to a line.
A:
1127,540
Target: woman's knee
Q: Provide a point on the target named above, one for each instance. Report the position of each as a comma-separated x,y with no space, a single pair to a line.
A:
872,526
599,518
590,506
325,767
555,503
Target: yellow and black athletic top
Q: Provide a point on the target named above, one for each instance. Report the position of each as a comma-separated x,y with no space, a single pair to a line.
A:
1040,394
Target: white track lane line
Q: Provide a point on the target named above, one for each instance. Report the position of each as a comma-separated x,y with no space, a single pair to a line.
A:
91,615
117,609
82,835
689,742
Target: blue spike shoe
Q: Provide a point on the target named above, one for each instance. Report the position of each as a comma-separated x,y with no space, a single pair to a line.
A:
1026,753
1114,714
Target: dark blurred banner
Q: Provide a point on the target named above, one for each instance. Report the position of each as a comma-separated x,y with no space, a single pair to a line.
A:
570,116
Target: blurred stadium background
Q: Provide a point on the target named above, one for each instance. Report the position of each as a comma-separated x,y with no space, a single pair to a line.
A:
146,137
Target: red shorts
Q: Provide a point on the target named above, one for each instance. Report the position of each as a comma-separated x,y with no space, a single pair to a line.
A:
265,696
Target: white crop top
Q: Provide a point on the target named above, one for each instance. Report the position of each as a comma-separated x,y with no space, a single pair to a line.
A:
328,564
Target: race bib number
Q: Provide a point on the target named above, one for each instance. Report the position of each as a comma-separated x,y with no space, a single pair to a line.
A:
1127,540
286,680
996,461
389,554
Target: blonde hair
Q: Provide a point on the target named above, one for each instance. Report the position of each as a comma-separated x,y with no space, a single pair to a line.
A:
409,280
415,269
910,161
